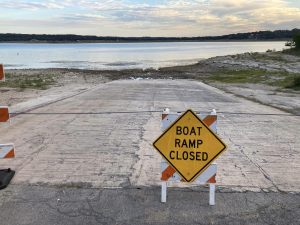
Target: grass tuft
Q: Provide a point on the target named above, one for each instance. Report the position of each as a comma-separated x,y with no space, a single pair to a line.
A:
292,51
278,79
295,84
22,81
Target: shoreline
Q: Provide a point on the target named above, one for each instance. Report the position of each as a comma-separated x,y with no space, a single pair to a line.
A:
213,71
136,42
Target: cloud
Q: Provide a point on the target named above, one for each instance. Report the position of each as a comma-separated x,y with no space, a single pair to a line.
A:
165,17
83,17
257,15
32,5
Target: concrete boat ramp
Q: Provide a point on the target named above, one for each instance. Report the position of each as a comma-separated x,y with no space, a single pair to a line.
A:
87,158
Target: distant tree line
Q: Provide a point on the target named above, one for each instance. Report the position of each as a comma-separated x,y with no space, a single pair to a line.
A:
251,36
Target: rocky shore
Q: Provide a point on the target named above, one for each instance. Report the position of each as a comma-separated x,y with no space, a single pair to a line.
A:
263,77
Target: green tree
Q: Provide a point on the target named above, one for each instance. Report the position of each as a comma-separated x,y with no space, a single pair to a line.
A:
296,40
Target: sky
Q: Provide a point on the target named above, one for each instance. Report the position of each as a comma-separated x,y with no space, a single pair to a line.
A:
147,18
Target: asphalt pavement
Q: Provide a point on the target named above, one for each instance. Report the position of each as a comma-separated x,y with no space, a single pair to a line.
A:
36,205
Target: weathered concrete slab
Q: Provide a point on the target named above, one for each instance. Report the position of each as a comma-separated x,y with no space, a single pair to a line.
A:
115,149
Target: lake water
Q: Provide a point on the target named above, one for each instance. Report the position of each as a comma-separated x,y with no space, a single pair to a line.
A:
121,55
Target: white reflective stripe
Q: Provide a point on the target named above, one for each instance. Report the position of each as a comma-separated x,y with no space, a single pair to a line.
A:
213,127
5,149
207,174
201,179
170,118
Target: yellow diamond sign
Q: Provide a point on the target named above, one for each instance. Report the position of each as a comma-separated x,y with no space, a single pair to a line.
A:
189,145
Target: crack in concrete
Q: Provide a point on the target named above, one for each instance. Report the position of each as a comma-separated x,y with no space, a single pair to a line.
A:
34,154
263,172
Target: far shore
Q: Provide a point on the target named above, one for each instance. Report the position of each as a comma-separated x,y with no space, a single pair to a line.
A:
142,41
268,78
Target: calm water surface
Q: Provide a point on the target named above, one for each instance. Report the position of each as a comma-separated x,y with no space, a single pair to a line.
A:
121,55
